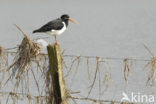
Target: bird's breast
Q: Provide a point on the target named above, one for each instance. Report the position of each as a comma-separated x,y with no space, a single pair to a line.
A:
57,32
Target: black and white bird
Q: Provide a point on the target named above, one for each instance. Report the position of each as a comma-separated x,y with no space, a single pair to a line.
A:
56,27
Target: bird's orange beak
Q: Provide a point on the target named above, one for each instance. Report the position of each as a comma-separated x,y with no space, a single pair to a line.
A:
72,20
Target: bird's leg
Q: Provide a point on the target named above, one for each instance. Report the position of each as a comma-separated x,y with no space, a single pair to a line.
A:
56,39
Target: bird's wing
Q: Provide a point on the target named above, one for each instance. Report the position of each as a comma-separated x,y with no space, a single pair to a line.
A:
52,25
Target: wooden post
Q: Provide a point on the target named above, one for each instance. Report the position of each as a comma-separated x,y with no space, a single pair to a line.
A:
58,82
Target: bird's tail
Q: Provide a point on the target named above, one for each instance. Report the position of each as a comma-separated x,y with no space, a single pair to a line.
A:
35,31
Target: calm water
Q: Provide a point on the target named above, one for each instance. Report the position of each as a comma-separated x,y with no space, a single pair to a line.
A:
106,28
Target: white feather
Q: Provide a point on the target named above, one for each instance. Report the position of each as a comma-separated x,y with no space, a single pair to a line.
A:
43,44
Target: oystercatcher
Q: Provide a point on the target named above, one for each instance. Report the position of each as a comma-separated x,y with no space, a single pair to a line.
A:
56,27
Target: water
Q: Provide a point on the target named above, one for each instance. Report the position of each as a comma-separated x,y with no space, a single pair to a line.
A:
105,28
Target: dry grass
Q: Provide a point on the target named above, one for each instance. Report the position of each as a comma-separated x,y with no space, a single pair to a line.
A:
3,62
3,56
27,51
95,76
152,73
126,69
107,76
152,66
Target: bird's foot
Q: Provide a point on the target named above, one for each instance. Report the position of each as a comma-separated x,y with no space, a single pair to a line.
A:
57,43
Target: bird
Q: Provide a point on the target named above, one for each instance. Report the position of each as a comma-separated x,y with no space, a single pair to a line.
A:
55,27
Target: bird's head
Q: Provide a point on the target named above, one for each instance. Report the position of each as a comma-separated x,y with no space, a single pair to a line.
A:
66,17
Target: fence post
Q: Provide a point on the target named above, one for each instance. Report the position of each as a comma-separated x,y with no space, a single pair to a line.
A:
55,67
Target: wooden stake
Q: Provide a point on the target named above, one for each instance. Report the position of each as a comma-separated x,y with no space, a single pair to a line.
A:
58,82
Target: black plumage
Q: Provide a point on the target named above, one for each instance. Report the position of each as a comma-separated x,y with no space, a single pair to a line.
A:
54,25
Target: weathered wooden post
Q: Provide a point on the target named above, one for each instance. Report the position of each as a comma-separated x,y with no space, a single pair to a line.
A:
58,82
